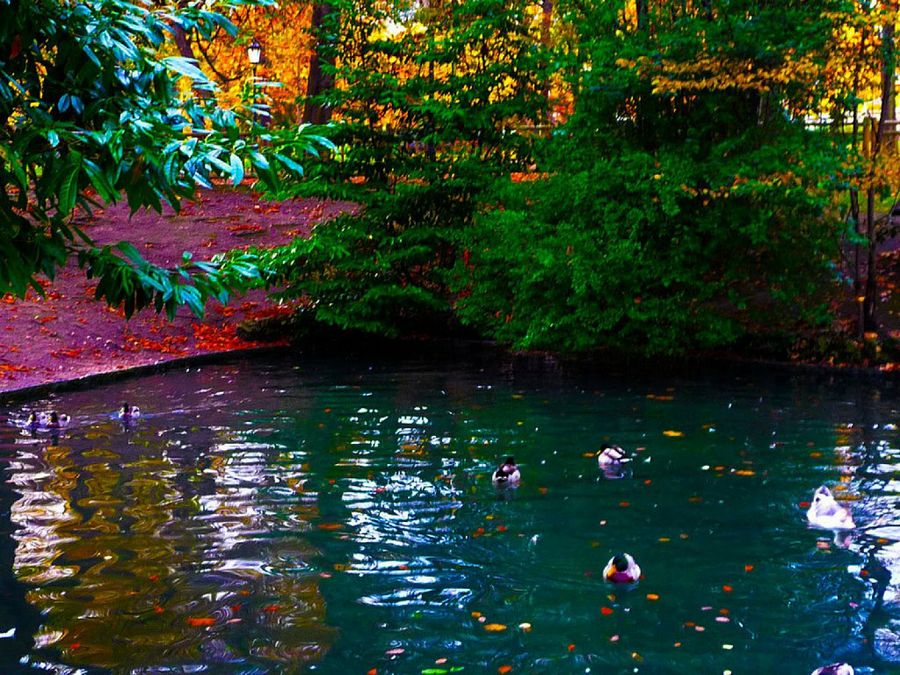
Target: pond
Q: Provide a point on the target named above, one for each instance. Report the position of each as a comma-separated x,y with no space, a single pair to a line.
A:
338,516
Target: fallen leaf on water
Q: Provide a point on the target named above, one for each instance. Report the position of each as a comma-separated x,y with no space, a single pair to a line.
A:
572,648
652,596
330,526
501,528
677,644
664,540
475,615
372,671
542,490
624,505
722,619
606,611
637,657
197,621
271,609
748,568
441,661
495,627
699,629
727,588
671,433
587,454
614,638
504,669
744,472
815,455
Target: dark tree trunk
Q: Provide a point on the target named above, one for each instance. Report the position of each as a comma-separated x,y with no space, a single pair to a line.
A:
870,300
320,79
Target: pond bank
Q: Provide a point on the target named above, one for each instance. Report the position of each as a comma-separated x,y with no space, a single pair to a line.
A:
68,335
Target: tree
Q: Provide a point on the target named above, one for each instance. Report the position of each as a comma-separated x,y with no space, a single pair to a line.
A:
683,205
428,99
93,112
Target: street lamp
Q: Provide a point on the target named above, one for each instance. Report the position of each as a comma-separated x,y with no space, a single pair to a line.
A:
254,56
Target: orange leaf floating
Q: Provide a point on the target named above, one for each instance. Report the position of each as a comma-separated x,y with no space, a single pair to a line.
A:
572,648
501,528
652,596
495,627
476,615
330,526
372,671
727,588
748,568
542,490
606,611
744,472
504,669
624,505
198,621
673,434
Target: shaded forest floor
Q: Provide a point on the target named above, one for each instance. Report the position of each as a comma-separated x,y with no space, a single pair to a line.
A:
67,334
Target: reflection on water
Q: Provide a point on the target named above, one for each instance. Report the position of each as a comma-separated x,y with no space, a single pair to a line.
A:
340,517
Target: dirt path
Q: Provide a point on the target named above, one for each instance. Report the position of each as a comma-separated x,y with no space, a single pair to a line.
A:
67,334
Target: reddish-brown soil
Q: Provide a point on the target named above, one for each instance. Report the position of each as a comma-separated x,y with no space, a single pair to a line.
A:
67,334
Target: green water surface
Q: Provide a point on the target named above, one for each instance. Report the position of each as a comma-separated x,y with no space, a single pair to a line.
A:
338,516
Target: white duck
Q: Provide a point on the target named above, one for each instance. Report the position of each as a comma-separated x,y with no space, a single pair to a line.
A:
507,473
826,513
622,569
834,669
129,412
611,455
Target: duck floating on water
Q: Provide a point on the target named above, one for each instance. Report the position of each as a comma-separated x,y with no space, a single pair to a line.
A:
826,513
56,420
611,455
834,669
622,569
129,412
507,473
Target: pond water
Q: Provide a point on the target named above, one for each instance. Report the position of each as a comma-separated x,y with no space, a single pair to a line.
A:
338,516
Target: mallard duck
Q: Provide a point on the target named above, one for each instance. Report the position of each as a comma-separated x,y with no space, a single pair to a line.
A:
129,412
56,420
622,569
507,473
826,513
834,669
611,455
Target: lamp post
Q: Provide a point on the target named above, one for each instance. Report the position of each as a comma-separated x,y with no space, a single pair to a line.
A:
254,55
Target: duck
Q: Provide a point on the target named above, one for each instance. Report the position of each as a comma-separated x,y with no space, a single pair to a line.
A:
612,455
507,473
622,569
56,420
129,412
834,669
826,513
33,421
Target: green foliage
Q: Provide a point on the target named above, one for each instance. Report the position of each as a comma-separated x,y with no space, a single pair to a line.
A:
671,220
93,114
427,120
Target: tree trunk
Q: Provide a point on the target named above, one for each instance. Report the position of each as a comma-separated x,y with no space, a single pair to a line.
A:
546,16
320,79
888,49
